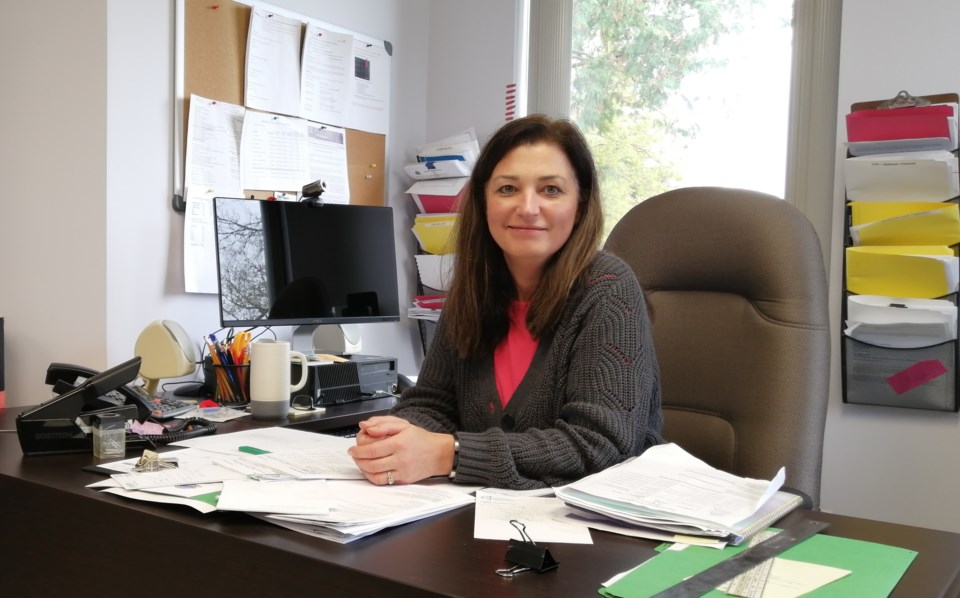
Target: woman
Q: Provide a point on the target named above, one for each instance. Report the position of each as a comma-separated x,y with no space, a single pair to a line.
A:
542,368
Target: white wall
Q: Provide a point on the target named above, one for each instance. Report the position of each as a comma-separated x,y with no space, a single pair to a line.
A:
885,463
473,51
53,115
90,249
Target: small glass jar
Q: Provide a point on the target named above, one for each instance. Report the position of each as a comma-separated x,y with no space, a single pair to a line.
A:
109,436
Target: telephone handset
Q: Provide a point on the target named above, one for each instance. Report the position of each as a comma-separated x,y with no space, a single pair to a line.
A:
64,376
61,425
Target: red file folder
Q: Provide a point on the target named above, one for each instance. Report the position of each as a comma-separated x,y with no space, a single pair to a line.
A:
436,204
438,196
920,122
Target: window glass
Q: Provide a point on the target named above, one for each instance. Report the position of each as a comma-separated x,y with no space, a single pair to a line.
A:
677,93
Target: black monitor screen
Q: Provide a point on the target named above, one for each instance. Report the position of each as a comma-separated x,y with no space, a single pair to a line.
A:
284,263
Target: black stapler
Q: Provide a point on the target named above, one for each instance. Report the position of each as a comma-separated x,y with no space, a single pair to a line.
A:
62,424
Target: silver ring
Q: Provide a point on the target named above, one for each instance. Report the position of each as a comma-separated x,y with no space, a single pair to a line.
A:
389,478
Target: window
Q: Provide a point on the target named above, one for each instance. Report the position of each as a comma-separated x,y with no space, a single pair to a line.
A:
669,95
678,93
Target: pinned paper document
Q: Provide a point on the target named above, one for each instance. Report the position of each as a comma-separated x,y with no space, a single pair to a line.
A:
905,223
903,323
912,176
925,272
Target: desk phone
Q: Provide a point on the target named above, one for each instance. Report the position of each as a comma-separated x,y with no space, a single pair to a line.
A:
63,424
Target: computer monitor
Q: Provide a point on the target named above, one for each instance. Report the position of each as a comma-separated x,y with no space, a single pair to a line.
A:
304,264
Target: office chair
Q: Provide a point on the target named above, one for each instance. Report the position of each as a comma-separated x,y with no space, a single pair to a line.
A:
736,284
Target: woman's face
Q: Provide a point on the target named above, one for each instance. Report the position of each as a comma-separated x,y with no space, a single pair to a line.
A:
532,204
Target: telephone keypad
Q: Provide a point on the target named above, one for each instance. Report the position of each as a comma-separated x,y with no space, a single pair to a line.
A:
166,408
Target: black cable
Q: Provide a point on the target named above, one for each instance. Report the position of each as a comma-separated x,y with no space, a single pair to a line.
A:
191,428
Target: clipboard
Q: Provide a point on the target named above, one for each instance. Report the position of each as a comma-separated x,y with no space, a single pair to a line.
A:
940,98
920,126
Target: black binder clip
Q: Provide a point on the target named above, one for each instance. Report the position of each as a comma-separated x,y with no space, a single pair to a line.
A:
525,555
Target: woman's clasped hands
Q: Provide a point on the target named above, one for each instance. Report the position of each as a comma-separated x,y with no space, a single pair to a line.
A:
391,450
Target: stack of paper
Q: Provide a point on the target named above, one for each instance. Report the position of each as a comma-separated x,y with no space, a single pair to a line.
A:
357,509
900,322
300,480
436,271
668,489
917,176
426,307
450,157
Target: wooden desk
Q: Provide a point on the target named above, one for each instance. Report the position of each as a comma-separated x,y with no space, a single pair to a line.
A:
59,538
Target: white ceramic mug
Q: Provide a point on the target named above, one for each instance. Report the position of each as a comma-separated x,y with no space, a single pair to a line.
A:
270,386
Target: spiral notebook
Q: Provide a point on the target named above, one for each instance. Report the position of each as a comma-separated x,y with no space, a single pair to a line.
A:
779,505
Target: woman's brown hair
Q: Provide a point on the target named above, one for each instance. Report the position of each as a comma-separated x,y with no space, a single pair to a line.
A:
475,311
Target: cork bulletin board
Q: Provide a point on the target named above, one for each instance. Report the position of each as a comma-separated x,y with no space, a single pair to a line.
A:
211,55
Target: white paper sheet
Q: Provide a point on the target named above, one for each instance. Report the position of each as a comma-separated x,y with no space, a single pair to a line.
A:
272,74
213,147
272,152
326,151
666,483
369,104
903,323
199,244
325,75
914,176
543,519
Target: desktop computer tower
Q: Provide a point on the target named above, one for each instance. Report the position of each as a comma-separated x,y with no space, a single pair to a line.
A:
360,377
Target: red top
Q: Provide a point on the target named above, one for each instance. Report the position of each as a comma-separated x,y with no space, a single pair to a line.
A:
512,357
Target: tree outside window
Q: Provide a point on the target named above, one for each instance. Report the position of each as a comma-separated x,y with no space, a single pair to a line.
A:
676,93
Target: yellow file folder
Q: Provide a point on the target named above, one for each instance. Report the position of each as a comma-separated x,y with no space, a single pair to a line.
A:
434,232
905,223
923,272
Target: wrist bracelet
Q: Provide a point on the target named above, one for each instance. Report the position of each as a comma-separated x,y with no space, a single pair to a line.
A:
456,458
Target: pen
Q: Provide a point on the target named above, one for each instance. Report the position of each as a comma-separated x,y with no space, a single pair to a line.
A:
222,357
222,382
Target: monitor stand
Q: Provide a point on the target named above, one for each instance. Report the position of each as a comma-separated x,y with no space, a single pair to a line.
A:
333,339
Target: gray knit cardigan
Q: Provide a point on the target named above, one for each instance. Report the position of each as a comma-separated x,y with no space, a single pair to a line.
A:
590,399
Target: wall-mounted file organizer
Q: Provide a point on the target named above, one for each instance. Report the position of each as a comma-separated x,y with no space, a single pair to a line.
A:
441,174
435,258
899,343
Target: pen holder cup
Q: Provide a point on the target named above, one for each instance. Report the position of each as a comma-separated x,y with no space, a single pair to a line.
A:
231,384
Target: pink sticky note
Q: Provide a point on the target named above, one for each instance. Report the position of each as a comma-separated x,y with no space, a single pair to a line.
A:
915,375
